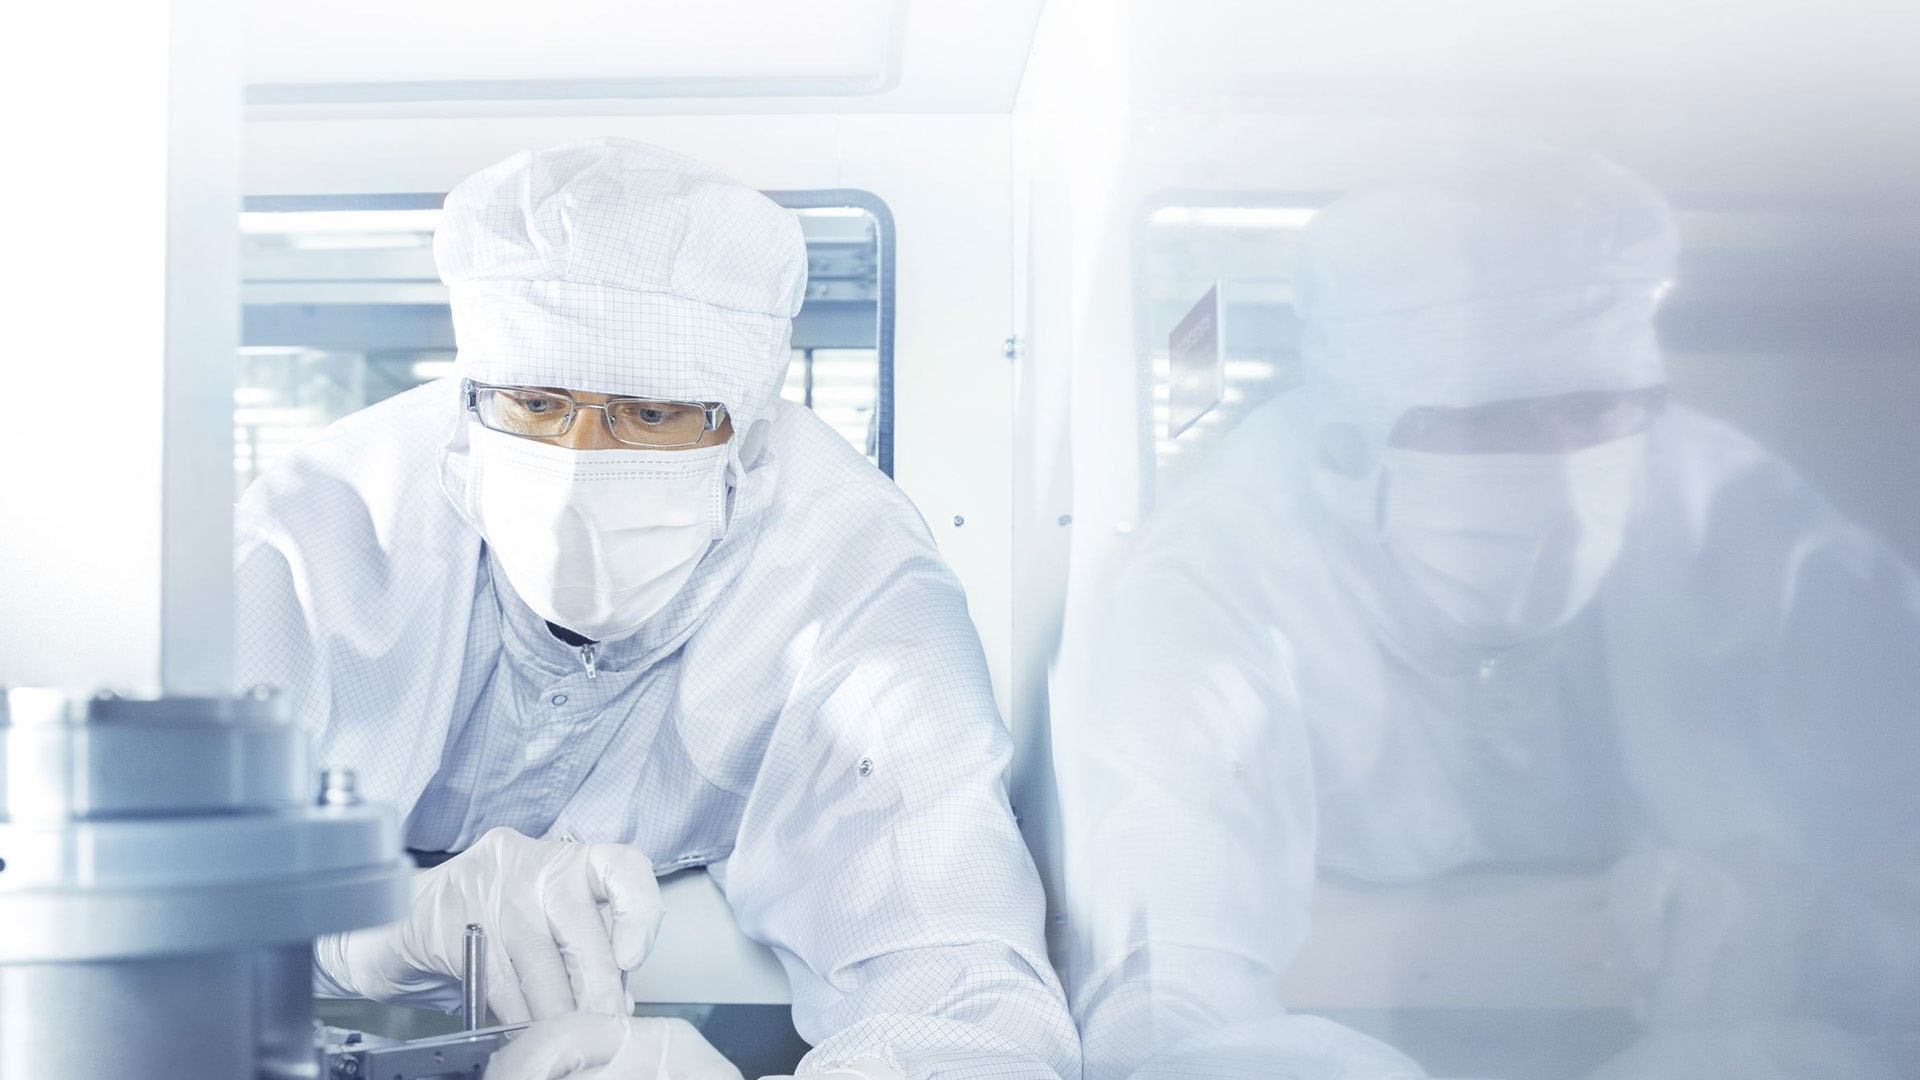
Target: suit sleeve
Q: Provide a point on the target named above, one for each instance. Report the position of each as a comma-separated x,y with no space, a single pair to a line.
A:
878,854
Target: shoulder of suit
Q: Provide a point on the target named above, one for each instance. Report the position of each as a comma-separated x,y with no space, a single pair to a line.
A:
818,465
386,455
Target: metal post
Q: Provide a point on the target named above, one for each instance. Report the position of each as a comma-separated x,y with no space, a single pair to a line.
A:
473,983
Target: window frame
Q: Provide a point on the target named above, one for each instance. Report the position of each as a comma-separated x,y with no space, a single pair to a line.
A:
806,199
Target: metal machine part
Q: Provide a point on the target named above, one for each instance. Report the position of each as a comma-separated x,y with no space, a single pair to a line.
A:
463,1055
352,1055
473,982
347,1054
164,869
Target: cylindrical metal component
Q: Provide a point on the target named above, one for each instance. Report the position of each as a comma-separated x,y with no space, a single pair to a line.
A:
111,757
473,980
283,1013
339,787
128,1018
166,871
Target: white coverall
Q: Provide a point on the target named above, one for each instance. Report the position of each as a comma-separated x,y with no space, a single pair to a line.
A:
810,718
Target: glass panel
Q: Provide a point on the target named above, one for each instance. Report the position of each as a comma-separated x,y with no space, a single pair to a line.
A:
1731,347
844,383
1574,741
1187,248
343,308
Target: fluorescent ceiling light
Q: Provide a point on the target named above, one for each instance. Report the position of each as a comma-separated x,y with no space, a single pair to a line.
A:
359,241
1233,217
1248,370
308,222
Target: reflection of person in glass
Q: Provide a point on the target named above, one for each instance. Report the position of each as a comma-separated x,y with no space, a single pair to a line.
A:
1480,596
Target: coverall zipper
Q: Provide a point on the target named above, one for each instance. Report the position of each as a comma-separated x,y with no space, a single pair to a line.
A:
586,659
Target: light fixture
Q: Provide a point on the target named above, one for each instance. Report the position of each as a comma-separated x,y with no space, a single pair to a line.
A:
309,222
1233,217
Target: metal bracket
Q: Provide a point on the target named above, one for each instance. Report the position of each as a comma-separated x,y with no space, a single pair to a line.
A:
357,1055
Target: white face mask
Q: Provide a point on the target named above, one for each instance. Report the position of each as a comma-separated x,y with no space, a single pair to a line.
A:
596,541
1509,546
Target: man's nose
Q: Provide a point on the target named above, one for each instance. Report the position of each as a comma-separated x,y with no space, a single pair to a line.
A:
589,431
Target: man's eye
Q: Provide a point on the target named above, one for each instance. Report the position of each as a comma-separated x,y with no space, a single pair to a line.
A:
537,406
654,416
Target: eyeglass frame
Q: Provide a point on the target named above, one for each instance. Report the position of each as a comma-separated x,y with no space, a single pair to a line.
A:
1608,415
714,412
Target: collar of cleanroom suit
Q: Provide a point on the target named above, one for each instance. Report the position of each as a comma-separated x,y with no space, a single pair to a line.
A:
810,717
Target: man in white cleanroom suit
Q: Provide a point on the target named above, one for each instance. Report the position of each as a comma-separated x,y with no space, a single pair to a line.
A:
1479,596
584,640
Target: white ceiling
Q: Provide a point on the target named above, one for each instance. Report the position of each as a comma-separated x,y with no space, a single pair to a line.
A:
1302,49
462,56
492,57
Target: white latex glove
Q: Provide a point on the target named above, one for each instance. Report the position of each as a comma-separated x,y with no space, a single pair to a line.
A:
583,1045
563,921
1710,944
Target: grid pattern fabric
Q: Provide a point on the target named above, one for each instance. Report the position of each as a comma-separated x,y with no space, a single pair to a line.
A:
810,718
612,266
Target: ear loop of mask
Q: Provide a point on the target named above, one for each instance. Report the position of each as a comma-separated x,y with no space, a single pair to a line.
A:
721,489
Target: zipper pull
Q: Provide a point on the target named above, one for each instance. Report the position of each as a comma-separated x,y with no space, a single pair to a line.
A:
586,659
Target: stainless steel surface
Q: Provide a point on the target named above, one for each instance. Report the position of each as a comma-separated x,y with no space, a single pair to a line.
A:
124,1020
473,979
163,871
283,1013
66,759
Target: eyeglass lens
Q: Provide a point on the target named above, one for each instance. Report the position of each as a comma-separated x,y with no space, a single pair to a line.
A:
539,414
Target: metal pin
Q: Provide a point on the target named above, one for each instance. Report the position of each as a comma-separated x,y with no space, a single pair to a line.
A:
473,982
339,787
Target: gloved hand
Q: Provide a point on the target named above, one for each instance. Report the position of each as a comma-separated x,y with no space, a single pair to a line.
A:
563,921
1710,943
610,1048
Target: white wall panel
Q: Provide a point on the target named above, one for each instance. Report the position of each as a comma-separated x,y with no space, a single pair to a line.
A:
121,319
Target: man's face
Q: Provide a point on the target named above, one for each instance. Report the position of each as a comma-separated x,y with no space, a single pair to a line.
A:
585,420
1509,515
